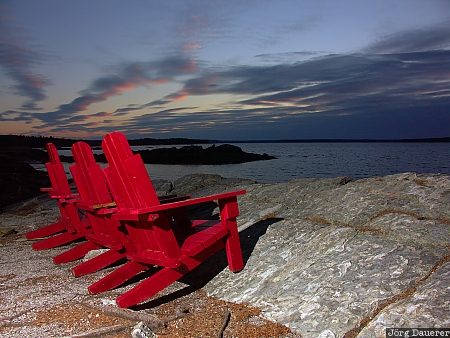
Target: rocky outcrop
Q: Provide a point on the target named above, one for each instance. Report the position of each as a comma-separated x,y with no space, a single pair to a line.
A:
330,257
19,181
222,154
335,257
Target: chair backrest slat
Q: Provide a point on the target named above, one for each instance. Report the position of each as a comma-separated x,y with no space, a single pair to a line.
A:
56,172
52,153
132,189
88,176
92,187
130,178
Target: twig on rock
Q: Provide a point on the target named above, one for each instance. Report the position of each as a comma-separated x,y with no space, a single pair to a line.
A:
226,320
179,313
150,320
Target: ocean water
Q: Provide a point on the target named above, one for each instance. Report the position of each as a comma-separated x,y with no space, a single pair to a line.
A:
300,160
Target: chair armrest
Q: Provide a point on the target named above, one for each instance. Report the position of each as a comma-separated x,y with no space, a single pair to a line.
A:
70,198
133,214
191,201
105,208
172,198
85,206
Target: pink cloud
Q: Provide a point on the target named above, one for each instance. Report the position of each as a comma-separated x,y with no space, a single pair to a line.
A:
189,46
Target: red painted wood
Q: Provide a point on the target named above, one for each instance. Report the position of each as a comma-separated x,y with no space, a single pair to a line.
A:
97,263
117,277
149,226
132,213
229,211
46,231
69,220
163,278
103,231
57,240
124,214
148,287
77,252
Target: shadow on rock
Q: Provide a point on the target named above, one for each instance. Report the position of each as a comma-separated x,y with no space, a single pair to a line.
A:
199,277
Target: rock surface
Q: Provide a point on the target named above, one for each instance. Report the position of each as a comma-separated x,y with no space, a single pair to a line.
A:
19,180
332,257
335,257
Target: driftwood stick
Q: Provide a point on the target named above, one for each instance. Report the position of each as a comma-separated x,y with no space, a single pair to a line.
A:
101,331
179,313
150,320
226,320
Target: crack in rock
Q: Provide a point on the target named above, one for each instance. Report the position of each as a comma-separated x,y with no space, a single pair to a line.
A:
408,292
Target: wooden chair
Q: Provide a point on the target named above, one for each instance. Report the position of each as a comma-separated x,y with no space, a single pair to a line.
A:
96,201
155,233
70,226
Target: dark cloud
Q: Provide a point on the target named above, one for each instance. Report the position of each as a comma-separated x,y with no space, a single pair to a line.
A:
417,40
14,115
363,88
289,56
331,79
370,94
127,77
18,60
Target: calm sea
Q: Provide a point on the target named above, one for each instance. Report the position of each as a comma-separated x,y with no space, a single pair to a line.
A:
299,160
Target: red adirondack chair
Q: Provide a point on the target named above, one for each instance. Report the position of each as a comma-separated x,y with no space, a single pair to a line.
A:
95,199
70,227
154,233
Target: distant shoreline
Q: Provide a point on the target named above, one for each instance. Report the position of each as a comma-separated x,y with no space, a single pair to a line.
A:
40,141
418,140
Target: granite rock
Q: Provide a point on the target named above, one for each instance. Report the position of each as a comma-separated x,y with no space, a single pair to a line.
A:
344,258
329,257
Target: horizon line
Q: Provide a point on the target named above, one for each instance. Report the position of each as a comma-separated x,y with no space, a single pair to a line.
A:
321,140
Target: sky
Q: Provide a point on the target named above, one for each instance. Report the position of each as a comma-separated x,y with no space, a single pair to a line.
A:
229,70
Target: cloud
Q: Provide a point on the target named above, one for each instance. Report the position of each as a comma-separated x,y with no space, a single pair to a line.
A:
101,114
126,77
190,46
18,60
363,88
289,56
338,78
17,116
417,40
329,95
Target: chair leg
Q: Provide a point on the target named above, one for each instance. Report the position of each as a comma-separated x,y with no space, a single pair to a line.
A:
117,277
46,231
163,278
55,241
75,253
97,263
233,248
149,287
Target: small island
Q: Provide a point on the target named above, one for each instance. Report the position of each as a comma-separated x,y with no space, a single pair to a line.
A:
192,155
221,154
